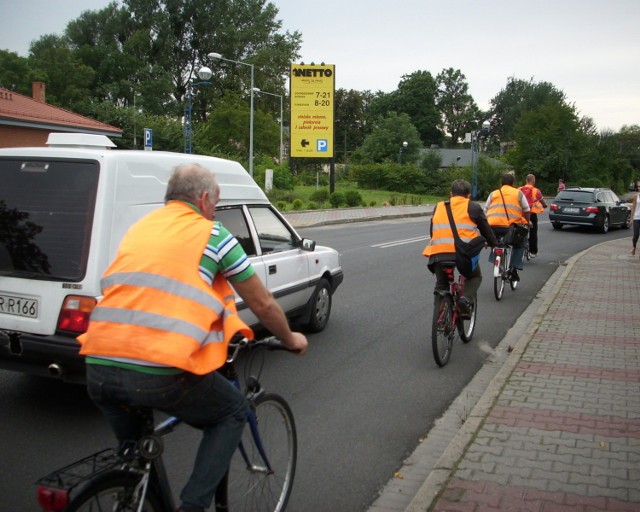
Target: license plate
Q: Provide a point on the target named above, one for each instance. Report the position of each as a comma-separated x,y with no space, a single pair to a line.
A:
571,210
19,306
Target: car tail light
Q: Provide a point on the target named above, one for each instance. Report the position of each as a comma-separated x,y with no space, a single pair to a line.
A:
554,207
498,251
52,500
75,313
592,209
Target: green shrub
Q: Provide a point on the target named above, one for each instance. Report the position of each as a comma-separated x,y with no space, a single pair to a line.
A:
337,199
320,195
282,205
312,205
353,198
297,204
372,203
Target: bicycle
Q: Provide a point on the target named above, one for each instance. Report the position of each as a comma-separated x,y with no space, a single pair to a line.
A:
133,478
501,270
447,319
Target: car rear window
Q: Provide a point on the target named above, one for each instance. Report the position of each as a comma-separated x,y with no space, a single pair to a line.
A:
46,216
575,196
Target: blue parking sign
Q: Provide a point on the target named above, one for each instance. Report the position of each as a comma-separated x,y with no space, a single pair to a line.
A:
148,139
322,145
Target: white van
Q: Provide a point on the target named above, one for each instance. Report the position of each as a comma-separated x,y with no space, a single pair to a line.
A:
63,211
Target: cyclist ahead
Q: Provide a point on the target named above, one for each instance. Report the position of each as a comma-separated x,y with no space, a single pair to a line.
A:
505,206
162,329
537,205
470,222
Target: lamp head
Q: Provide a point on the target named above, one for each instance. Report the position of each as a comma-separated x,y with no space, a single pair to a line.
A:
204,73
405,144
214,55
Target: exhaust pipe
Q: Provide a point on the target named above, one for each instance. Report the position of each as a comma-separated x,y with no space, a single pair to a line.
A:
55,370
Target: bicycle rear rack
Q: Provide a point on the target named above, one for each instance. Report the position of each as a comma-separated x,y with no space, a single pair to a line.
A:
74,474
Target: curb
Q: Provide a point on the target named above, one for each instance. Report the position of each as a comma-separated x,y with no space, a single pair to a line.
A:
438,478
360,219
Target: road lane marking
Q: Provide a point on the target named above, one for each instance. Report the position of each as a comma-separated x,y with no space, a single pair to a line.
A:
386,245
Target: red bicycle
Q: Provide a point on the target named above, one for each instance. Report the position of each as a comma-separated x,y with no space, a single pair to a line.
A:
447,317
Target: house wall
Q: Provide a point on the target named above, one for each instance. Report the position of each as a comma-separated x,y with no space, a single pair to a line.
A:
16,136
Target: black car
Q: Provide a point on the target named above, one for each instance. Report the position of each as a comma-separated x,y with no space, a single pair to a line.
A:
597,207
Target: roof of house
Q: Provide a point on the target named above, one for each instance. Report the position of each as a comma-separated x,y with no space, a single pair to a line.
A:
453,157
19,110
461,157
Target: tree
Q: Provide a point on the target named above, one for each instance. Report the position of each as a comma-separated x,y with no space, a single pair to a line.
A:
416,97
629,139
386,139
459,112
68,79
146,52
350,122
13,71
518,97
549,143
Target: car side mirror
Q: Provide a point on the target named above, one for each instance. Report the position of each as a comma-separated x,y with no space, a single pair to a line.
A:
308,245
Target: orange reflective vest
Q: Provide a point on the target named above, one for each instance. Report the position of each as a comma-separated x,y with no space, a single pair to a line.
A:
156,308
532,194
441,232
496,214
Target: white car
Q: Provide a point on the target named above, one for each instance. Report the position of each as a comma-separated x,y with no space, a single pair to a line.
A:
63,211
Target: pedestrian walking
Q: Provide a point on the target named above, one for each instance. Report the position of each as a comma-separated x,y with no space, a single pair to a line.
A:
635,215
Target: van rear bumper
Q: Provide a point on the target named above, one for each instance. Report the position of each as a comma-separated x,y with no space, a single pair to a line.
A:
48,356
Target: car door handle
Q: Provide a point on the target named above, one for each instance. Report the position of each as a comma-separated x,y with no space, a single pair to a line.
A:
273,269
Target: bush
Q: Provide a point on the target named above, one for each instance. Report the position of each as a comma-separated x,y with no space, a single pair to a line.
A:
353,198
320,195
297,204
282,206
337,199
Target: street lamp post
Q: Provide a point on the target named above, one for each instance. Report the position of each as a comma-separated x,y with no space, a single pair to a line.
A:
404,146
281,119
475,140
214,55
204,73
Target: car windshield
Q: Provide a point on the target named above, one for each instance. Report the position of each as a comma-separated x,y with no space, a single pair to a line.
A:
575,196
46,215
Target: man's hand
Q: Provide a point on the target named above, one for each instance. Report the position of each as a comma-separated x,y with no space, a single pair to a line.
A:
297,341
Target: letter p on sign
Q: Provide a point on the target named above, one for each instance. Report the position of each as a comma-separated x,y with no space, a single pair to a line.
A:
322,145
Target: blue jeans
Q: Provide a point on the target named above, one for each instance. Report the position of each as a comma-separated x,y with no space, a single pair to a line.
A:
517,252
207,402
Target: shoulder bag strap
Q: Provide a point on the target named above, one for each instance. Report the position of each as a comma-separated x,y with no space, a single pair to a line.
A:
504,205
447,205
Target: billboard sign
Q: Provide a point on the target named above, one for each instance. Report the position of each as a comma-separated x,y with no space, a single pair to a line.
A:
312,89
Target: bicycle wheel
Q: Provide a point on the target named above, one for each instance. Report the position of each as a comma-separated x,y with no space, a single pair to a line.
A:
252,486
498,281
442,329
115,491
466,326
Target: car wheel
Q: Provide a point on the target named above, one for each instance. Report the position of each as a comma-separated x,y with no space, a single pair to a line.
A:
604,227
556,225
320,307
627,222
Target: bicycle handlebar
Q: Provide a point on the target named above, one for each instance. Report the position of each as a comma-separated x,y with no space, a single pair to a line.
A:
270,343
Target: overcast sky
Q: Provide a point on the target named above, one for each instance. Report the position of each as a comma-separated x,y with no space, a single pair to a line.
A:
589,49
